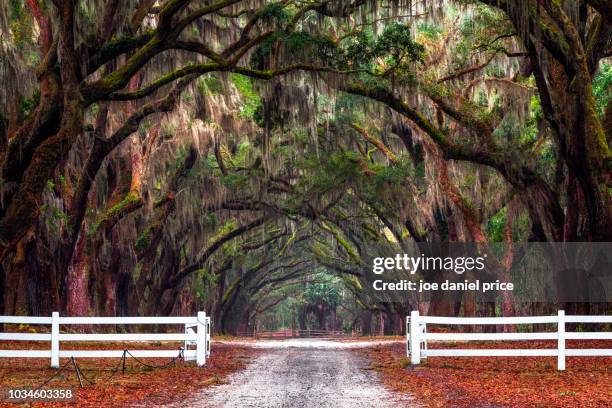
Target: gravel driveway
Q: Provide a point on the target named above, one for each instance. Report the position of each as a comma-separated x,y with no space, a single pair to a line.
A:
302,375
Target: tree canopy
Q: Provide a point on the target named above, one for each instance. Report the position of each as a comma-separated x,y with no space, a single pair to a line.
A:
246,157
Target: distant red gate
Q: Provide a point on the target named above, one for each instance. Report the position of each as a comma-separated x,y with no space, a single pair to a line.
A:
293,334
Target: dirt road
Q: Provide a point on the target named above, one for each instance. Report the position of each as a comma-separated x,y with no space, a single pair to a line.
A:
302,375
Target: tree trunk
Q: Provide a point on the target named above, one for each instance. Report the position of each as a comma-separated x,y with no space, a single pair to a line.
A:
43,295
76,296
16,279
2,292
366,322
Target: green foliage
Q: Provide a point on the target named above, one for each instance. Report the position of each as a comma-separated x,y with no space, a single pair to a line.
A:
358,49
144,127
529,134
211,220
88,13
274,14
536,114
16,9
232,247
319,47
396,41
251,101
29,104
386,176
209,164
259,57
259,115
187,97
302,45
347,108
210,84
241,156
326,293
394,45
235,180
332,171
204,280
325,173
142,242
429,30
494,70
21,23
53,216
602,87
509,128
476,31
130,199
495,226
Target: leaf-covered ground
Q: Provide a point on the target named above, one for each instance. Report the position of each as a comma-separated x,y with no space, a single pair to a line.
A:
499,381
141,385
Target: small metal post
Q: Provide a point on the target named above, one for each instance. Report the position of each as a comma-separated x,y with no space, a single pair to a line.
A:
78,372
208,334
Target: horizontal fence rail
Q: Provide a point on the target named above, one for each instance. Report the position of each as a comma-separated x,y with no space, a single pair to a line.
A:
417,336
197,333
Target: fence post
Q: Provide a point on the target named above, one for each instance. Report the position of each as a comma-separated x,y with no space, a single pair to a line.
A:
201,339
415,341
55,339
407,336
561,341
208,334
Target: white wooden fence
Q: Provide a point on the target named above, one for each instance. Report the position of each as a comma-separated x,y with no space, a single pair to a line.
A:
417,336
200,337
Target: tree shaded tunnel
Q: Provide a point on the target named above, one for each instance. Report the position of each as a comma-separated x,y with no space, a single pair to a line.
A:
250,159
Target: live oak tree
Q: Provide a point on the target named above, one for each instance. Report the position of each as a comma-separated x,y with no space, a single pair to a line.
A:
159,156
81,66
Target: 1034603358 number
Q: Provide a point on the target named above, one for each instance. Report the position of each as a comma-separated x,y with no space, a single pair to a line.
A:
31,394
